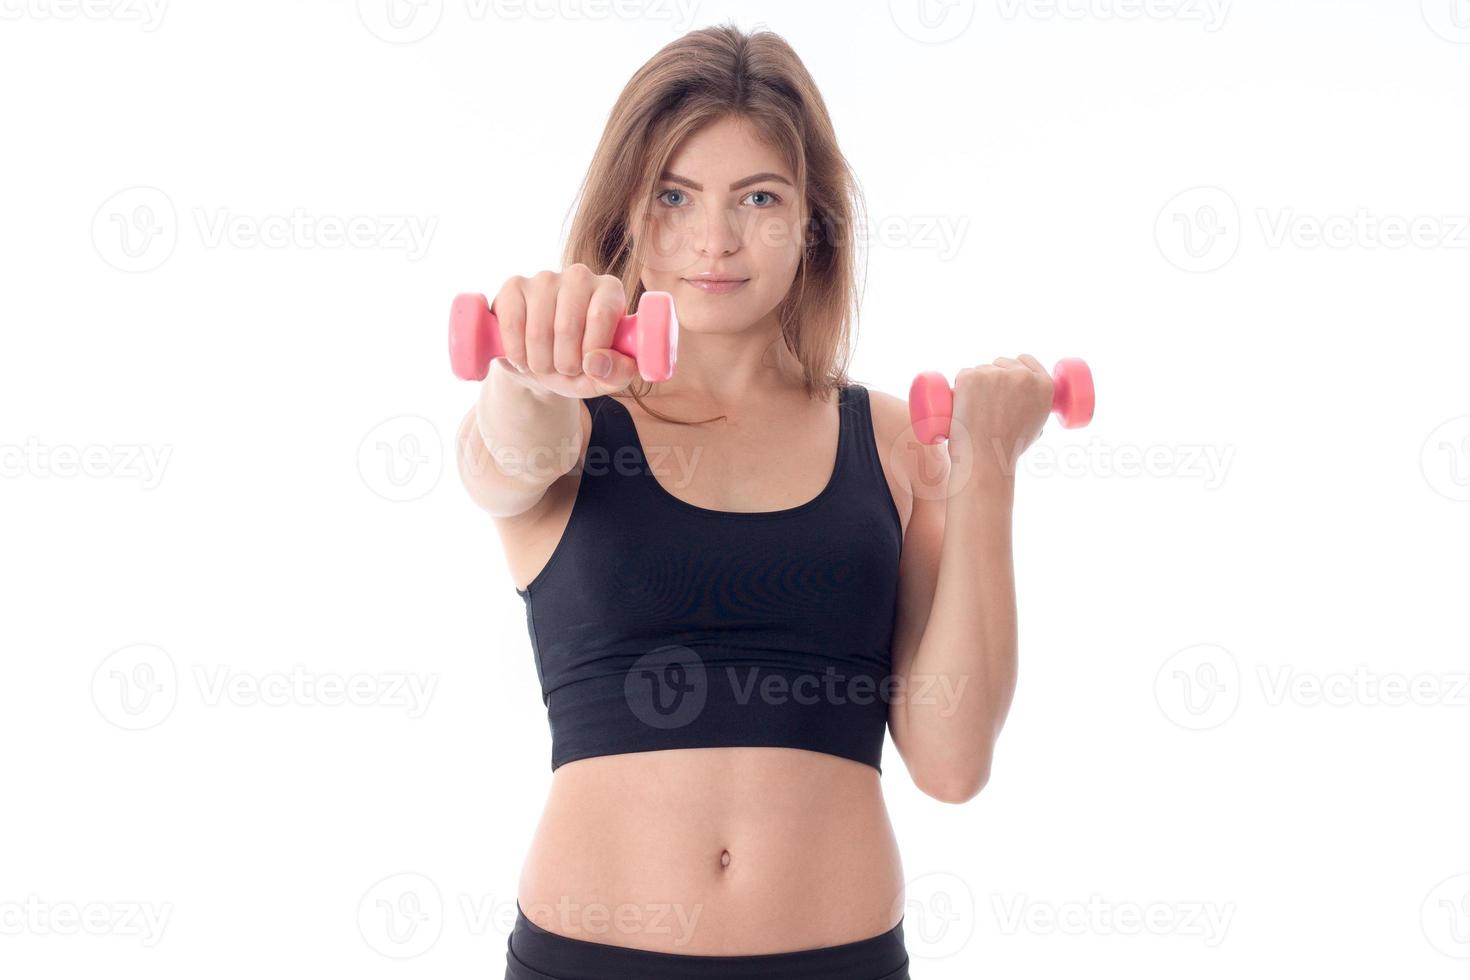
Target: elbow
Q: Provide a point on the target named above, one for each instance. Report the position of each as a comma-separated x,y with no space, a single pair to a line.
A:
956,786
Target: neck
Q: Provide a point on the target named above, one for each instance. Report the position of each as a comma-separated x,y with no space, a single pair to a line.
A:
717,369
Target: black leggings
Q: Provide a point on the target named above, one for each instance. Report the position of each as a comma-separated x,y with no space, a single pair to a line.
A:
536,954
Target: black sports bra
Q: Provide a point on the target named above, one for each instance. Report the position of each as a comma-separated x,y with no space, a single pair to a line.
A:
659,624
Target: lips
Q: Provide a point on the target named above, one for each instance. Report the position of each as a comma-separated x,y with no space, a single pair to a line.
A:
713,285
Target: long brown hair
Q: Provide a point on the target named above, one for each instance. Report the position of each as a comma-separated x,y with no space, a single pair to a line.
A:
702,77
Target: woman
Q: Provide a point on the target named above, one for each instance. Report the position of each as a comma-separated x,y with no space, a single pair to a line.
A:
725,610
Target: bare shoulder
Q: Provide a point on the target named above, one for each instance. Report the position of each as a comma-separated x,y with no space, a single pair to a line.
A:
909,461
890,417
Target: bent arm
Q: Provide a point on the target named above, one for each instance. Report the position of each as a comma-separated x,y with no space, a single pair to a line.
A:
955,646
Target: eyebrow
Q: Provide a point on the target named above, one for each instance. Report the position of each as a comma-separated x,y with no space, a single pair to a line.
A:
674,178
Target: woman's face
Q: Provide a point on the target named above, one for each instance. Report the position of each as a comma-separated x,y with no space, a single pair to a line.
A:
724,230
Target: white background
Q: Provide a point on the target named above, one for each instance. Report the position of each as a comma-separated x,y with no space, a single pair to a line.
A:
1207,731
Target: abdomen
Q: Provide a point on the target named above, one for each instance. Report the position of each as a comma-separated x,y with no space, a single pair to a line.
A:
714,851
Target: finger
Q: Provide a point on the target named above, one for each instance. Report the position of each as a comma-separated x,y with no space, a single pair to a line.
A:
541,290
1006,362
577,283
621,370
609,303
1032,363
510,313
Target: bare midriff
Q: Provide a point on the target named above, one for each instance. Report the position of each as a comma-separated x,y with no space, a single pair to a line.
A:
714,852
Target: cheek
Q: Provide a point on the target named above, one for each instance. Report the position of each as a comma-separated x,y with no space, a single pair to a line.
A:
776,238
668,249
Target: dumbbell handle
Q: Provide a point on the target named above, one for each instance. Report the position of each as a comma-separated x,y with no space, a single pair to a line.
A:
649,336
931,400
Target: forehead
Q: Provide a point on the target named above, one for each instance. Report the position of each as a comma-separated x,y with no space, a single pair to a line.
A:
731,148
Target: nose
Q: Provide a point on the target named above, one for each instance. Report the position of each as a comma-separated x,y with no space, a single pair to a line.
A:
720,235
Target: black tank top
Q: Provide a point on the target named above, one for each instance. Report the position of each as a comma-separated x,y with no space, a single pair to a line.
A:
659,624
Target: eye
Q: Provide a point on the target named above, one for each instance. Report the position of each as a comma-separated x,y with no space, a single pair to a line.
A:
774,199
669,190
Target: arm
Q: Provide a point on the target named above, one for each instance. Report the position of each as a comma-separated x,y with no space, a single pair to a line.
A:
955,639
515,441
955,647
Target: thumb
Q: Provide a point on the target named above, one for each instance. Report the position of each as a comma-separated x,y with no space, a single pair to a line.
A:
616,370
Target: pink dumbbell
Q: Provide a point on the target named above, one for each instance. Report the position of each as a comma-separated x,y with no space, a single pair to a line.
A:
650,336
931,400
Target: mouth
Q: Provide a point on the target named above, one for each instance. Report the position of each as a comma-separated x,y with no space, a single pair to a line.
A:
716,284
